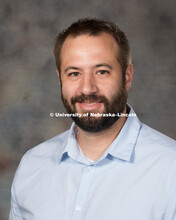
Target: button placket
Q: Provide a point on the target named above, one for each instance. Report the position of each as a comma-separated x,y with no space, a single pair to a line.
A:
82,192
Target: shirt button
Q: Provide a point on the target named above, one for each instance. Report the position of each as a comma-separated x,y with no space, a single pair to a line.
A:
78,208
89,168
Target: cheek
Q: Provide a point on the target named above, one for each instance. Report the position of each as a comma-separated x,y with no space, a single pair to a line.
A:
111,88
68,91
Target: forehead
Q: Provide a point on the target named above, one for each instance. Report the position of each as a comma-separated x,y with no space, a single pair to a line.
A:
102,44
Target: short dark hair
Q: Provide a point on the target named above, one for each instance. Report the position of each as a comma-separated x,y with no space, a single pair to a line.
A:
94,27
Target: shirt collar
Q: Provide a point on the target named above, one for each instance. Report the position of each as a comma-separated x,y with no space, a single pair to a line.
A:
122,147
69,143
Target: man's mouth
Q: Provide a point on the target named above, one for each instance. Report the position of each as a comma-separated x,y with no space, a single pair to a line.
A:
90,102
88,105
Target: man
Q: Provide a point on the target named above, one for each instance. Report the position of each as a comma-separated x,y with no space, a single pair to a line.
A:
109,165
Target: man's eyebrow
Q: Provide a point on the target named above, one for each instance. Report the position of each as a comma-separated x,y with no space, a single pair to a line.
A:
96,66
71,67
103,65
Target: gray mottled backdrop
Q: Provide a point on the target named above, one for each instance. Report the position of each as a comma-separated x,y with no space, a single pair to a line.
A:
29,88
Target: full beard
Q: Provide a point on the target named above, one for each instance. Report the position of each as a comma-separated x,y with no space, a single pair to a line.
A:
90,123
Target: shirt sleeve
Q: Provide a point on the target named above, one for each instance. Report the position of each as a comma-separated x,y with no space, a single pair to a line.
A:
171,209
15,213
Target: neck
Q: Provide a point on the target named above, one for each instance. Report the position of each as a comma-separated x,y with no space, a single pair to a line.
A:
93,145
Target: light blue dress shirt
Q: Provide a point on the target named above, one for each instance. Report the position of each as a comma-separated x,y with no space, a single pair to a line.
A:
135,179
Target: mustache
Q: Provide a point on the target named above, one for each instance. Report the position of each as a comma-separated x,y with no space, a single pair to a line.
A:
91,97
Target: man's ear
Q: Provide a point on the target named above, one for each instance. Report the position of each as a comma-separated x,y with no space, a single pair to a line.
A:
57,71
129,76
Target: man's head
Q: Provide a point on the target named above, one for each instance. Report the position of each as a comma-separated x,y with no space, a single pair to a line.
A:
94,27
95,71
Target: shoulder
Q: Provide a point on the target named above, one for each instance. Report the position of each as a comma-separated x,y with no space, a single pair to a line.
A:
157,143
43,155
46,149
153,136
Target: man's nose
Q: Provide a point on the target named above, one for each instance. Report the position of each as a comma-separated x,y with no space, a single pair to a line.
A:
88,84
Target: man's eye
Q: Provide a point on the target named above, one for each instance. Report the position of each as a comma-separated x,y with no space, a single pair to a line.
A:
73,74
102,72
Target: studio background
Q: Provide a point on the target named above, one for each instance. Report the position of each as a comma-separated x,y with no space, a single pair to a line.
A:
29,87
